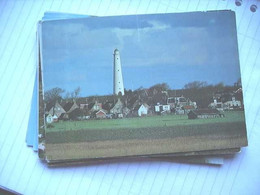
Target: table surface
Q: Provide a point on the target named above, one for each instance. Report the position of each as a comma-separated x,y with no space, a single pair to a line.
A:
22,171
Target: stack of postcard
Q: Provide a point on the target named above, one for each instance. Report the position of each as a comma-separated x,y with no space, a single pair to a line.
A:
157,86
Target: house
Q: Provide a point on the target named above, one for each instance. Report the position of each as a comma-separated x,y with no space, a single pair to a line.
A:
70,106
159,108
49,118
141,110
82,103
226,101
205,113
120,115
232,104
179,110
56,110
93,107
134,103
150,111
101,114
117,108
147,106
171,102
64,116
83,106
126,111
180,102
216,104
55,118
107,105
188,108
76,114
109,116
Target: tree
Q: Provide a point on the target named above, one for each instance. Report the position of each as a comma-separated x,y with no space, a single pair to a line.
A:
67,96
140,89
160,87
220,86
238,83
128,92
75,93
196,85
72,95
53,95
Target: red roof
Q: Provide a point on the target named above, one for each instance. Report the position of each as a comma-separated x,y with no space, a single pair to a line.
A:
189,107
101,112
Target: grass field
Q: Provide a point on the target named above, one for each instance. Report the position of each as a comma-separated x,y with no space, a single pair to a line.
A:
142,122
144,128
135,136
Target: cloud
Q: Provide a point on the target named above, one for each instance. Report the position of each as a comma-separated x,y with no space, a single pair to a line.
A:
155,43
167,46
73,36
146,43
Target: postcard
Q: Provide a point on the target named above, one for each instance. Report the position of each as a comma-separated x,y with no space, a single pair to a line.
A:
204,157
140,85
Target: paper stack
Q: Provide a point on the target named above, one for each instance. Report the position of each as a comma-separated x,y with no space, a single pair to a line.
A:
157,86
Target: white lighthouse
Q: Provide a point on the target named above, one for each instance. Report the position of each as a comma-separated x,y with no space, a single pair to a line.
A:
118,77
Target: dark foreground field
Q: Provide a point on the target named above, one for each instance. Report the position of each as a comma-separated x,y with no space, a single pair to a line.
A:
136,136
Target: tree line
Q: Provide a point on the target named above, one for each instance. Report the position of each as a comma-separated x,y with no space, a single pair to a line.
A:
56,94
198,91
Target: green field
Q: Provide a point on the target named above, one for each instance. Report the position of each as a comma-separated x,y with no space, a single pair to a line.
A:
142,122
153,127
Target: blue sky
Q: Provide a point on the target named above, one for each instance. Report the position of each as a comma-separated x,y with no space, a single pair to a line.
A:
171,48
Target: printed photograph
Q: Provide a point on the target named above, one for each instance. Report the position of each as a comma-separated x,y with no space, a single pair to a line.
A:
139,85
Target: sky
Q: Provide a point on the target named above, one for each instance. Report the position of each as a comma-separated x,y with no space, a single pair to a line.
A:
160,48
